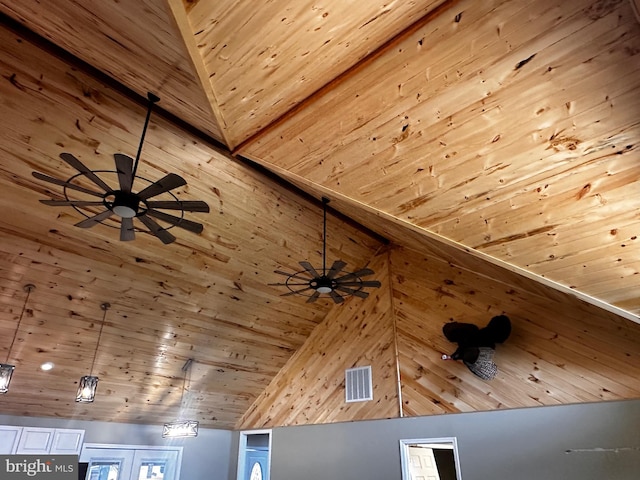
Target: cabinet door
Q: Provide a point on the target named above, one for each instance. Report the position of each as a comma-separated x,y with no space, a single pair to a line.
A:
35,441
10,438
67,441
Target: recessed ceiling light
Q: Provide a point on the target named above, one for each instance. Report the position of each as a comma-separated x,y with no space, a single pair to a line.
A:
46,366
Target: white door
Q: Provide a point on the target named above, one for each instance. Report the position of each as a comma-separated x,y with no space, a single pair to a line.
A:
107,463
131,462
422,463
155,465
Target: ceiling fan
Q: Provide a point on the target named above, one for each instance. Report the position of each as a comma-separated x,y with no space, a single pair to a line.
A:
334,282
122,201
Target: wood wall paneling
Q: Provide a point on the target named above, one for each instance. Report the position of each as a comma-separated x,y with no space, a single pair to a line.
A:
561,350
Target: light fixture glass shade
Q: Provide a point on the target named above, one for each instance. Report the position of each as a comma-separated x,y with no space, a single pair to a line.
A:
6,371
87,389
180,429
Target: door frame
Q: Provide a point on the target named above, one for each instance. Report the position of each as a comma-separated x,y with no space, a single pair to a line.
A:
85,456
445,442
242,450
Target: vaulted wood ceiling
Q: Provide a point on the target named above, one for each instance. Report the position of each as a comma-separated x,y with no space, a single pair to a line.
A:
505,131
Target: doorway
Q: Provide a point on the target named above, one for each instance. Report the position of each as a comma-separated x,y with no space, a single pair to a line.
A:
430,459
254,455
131,462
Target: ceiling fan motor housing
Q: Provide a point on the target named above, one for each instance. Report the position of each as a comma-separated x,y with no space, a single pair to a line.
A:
125,205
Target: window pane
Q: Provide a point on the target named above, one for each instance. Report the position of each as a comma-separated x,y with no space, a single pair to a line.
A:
152,470
103,471
256,472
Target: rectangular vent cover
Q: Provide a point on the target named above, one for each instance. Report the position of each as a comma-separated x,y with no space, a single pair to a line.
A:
358,384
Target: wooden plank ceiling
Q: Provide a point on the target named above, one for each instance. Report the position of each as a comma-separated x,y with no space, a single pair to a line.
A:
501,136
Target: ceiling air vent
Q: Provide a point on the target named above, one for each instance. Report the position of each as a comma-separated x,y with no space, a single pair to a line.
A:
358,384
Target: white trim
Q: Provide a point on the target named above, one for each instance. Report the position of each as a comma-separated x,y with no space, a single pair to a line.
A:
242,449
358,384
444,442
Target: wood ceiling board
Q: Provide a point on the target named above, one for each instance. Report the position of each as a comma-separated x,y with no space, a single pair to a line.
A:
136,43
514,168
205,296
264,59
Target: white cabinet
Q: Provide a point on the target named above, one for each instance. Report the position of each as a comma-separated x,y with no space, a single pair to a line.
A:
35,441
38,441
10,438
67,441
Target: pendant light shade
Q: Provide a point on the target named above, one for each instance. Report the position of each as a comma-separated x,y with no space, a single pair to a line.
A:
6,369
89,383
6,372
181,428
87,389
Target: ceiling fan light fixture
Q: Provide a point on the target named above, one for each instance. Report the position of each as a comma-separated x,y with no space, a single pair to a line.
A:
124,212
122,201
335,282
125,205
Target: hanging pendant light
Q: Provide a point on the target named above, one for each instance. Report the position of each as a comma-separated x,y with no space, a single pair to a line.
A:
6,369
89,383
182,428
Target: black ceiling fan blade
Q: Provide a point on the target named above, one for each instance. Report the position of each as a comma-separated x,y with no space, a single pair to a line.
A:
71,203
351,291
337,298
91,221
124,166
177,221
362,283
309,268
313,297
127,233
159,232
337,266
63,183
288,284
186,206
166,183
360,273
82,168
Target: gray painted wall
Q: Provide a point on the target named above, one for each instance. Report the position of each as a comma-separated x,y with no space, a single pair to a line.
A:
582,442
203,457
599,441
